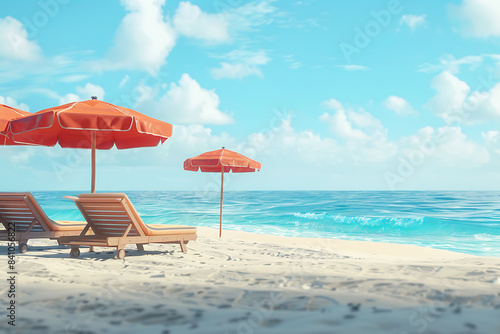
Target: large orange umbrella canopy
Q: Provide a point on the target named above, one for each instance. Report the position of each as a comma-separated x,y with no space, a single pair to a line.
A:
221,161
71,125
90,124
6,115
214,161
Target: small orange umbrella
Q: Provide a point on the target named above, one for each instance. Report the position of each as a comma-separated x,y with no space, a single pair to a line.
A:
91,124
6,115
221,161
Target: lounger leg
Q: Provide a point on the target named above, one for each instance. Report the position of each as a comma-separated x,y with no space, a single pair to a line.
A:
183,246
120,251
75,252
23,245
91,249
140,247
120,254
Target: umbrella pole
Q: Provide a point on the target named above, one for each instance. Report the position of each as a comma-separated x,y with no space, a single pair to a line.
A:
221,197
93,144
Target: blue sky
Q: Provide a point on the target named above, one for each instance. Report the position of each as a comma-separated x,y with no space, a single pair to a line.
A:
327,95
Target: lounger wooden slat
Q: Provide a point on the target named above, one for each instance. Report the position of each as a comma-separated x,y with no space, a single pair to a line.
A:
8,204
113,224
22,212
100,206
19,219
24,227
117,219
120,225
16,210
110,232
25,211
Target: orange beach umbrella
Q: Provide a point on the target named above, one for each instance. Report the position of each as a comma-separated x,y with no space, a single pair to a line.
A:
6,115
221,161
91,124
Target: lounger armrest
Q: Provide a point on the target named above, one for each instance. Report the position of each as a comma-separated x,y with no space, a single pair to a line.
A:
73,198
98,200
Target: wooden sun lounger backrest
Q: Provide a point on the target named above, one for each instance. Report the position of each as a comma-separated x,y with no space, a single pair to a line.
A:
109,215
22,210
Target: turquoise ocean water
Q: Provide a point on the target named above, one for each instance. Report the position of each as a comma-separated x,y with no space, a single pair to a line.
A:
467,222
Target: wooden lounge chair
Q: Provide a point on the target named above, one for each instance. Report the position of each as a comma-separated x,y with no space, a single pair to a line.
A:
24,219
116,223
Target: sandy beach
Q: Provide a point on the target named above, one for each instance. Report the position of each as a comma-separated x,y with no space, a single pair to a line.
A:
250,283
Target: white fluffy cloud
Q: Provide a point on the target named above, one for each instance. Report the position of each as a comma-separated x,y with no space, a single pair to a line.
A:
451,94
455,103
479,18
14,42
447,146
351,125
190,21
332,104
457,149
435,158
145,37
283,144
342,127
363,135
143,40
399,105
185,103
83,93
11,102
413,21
442,158
314,161
492,143
241,64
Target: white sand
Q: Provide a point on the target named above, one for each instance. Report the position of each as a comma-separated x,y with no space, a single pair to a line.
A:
249,283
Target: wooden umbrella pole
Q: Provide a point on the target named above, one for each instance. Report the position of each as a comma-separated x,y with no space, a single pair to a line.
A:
221,197
93,145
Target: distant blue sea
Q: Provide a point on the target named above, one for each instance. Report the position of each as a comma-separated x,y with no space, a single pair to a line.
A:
467,222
